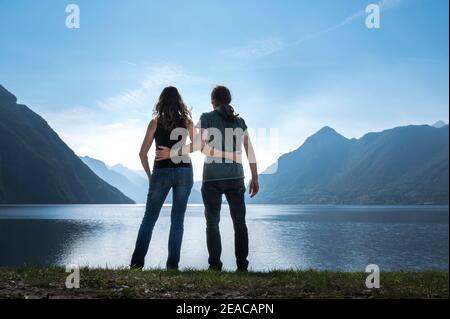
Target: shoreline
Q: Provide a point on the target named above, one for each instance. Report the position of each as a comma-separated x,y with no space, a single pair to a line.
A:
247,203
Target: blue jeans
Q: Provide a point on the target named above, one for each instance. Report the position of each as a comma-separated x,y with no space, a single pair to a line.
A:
180,180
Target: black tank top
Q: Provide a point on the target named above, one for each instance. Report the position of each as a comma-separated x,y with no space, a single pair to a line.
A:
162,138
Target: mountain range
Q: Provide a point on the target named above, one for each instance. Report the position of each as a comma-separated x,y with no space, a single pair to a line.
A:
127,181
132,183
37,167
403,165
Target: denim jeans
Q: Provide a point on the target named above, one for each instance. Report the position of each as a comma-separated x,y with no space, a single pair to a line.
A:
234,190
180,180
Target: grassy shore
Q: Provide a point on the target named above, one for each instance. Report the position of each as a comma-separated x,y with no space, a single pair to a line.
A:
30,282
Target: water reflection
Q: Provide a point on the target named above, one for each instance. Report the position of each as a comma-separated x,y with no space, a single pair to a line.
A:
321,237
38,242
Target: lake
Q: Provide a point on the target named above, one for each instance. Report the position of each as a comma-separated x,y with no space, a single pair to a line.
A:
342,238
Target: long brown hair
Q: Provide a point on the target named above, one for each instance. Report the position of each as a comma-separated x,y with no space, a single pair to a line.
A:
170,110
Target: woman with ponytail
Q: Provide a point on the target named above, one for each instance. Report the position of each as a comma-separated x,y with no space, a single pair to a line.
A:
225,177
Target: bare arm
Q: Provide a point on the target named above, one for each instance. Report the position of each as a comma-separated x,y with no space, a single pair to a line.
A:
254,184
214,152
146,144
198,144
163,152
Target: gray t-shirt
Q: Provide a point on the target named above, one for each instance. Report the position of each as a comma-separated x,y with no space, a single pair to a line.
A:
226,136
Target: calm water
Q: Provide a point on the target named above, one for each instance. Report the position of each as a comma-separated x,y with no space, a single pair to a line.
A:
345,238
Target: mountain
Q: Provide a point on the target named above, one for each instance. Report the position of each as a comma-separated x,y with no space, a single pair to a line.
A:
439,124
37,167
130,182
136,189
138,177
403,165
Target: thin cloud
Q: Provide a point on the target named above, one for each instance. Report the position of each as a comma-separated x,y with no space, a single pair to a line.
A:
130,63
383,4
360,14
272,45
155,80
258,48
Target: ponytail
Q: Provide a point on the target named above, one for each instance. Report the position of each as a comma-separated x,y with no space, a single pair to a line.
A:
222,96
227,112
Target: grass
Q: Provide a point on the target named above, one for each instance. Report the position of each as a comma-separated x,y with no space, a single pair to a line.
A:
32,282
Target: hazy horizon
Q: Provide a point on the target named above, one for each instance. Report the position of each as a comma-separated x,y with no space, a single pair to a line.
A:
141,170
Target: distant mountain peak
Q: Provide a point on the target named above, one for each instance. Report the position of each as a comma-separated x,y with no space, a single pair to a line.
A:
7,96
327,130
439,124
91,158
119,166
326,133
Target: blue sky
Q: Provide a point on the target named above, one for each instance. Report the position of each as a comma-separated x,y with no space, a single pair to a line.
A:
292,65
